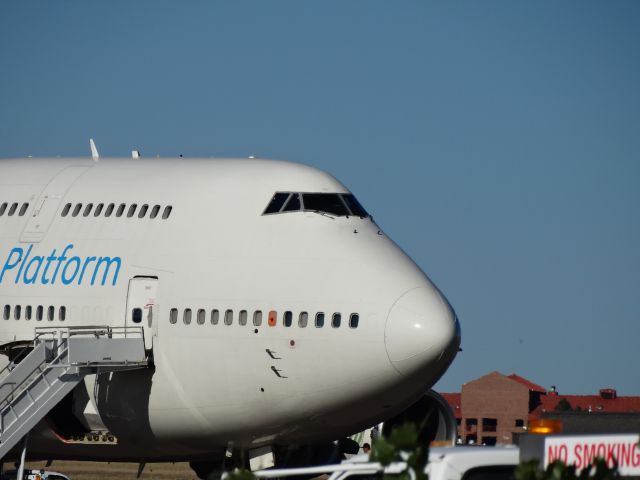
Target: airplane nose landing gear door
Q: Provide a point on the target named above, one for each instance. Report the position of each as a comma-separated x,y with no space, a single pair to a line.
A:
141,307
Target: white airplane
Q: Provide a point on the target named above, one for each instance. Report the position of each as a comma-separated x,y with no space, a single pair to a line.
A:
275,312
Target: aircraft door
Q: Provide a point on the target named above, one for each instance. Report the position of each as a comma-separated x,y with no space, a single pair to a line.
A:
142,310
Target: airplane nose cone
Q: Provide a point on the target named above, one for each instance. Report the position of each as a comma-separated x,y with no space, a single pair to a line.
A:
421,331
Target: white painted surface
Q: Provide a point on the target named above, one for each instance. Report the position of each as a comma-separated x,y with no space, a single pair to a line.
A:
582,450
214,384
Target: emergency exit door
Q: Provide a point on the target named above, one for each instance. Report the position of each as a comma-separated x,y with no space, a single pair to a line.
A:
142,308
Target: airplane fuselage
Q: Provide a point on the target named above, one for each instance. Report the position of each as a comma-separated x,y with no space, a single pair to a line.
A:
264,328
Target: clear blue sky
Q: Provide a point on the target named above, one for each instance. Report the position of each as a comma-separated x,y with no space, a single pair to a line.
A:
497,142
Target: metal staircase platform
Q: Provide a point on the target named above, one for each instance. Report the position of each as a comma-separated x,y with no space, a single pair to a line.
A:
59,359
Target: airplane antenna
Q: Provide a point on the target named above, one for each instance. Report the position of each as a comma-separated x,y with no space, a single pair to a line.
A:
94,150
135,153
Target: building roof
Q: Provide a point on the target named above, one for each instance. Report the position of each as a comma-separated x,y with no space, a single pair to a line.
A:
606,402
454,401
587,403
530,385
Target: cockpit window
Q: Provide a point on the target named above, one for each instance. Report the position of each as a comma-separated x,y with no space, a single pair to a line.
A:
354,205
276,203
293,204
330,203
335,204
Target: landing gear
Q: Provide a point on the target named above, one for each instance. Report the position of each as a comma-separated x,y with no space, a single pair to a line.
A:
207,470
318,454
23,457
213,470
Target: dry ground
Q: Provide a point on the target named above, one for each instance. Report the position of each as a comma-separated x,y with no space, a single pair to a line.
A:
120,471
117,471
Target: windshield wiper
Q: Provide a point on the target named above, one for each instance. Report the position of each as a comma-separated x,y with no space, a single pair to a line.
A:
324,214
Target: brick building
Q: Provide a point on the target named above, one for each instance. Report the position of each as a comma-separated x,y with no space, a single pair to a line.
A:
496,408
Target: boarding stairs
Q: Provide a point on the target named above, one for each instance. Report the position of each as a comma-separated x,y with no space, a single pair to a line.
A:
54,363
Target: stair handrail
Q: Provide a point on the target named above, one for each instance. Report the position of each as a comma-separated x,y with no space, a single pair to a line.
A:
63,334
21,355
97,330
30,378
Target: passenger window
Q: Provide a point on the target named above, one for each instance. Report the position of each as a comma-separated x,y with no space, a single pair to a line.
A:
39,313
109,210
132,210
23,209
287,319
154,211
293,204
242,318
98,210
319,320
3,207
303,319
136,315
120,210
167,212
353,320
65,210
186,317
257,318
173,315
17,311
228,317
76,210
62,314
12,209
335,320
273,318
276,203
87,209
51,311
143,211
201,316
215,317
7,312
27,312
